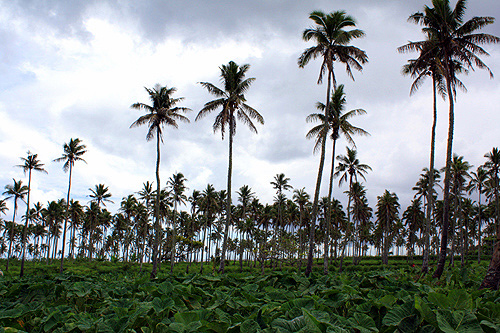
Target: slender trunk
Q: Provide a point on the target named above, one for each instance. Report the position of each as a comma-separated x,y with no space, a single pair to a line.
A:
492,278
228,205
25,229
157,209
479,229
446,196
430,189
318,186
174,235
11,234
66,219
203,244
329,211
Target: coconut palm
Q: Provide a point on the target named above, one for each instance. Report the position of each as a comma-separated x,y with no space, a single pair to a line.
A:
176,186
476,183
163,111
332,41
492,166
31,162
232,102
209,205
336,122
280,184
387,217
301,198
73,152
452,42
16,191
100,194
245,197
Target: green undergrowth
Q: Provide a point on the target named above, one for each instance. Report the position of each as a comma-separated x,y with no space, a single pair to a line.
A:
384,300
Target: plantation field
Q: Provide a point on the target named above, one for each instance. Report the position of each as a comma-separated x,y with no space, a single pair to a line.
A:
116,297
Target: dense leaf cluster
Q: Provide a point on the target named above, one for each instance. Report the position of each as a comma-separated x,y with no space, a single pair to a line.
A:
384,301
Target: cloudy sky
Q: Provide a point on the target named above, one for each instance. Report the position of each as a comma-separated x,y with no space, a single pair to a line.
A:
71,69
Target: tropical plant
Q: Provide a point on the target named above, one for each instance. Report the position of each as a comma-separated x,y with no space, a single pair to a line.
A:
334,121
16,191
331,45
454,44
176,186
387,217
72,152
232,102
163,111
31,162
492,166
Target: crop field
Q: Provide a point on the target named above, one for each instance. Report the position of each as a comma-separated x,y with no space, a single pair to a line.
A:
116,297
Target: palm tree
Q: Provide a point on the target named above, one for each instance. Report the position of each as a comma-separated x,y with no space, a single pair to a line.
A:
30,163
209,205
453,43
73,152
16,191
337,122
231,99
245,197
331,45
301,198
177,187
459,173
476,183
100,194
163,112
387,217
492,165
280,184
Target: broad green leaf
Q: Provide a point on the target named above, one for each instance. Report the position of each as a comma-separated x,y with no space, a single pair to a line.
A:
439,300
425,311
398,313
385,301
249,326
488,326
459,300
363,323
457,321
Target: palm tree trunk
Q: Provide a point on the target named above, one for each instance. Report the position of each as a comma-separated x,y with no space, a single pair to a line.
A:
25,229
157,208
11,234
329,211
318,185
228,207
174,235
446,196
479,229
430,189
492,278
66,218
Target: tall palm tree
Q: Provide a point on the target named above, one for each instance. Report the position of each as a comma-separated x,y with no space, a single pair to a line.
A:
336,122
427,65
350,168
16,191
209,205
163,111
31,162
176,186
280,184
453,43
301,198
100,194
332,41
72,152
232,102
387,217
245,197
492,165
476,183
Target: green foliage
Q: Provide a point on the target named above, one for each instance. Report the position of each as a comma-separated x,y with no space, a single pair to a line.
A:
121,301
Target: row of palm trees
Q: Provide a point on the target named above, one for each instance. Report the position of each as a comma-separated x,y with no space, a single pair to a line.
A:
451,47
269,234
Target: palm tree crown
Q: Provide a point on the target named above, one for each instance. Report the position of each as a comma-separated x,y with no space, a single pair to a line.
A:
332,43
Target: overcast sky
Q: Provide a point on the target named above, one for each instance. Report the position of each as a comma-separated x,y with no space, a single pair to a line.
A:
71,69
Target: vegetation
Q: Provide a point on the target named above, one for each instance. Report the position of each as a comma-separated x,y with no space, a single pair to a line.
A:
115,297
253,251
